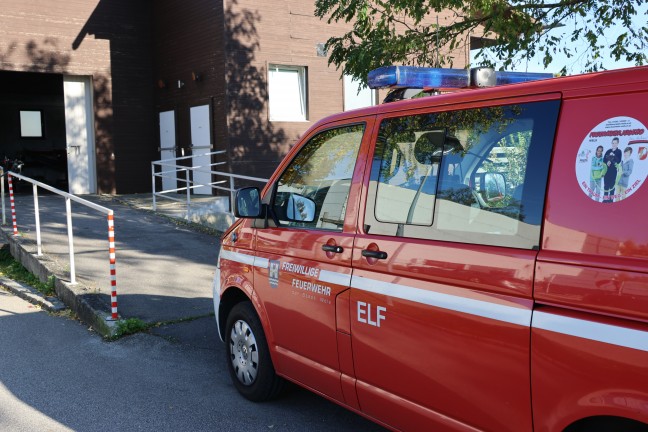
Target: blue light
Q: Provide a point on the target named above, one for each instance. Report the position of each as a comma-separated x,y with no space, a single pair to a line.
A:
417,77
439,78
518,77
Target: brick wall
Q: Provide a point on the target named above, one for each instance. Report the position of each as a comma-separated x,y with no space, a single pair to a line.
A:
129,47
188,43
283,32
110,41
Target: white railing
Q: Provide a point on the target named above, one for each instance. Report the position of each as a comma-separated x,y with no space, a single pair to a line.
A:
68,210
186,175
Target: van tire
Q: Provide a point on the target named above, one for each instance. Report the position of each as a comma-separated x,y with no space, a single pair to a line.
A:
606,424
248,357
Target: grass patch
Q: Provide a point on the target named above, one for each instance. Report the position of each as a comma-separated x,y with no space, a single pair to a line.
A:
66,313
131,326
181,320
12,269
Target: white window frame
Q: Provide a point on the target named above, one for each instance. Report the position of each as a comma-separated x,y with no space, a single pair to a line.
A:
285,104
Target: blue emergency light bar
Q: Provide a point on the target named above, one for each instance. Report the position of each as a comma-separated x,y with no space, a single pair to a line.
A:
418,77
423,77
503,77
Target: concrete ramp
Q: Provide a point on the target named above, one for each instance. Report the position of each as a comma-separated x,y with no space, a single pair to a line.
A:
164,266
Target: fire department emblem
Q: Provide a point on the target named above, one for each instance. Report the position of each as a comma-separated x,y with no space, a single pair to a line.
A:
273,273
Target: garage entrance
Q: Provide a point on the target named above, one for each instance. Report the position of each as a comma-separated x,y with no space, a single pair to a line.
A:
46,122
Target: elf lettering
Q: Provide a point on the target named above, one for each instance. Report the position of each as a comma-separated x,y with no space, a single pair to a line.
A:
366,316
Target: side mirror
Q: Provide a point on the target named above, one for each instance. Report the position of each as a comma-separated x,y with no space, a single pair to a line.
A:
494,187
300,209
247,203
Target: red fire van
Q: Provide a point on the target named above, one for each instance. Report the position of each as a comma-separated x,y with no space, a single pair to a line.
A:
475,260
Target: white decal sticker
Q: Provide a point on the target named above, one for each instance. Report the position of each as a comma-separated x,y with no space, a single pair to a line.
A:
612,162
300,269
273,273
311,287
366,316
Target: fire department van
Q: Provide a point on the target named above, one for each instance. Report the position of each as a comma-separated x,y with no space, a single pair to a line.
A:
474,260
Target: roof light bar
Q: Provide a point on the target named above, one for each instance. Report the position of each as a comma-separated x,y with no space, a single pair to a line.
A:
518,77
423,77
418,77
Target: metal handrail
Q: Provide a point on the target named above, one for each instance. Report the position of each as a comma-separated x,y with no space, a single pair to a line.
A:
171,167
74,198
68,209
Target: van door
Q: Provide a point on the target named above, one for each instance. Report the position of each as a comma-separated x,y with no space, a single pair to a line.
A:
305,261
441,297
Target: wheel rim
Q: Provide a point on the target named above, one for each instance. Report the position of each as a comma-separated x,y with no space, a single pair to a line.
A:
244,353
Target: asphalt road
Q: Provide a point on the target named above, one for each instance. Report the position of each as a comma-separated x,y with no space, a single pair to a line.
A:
56,375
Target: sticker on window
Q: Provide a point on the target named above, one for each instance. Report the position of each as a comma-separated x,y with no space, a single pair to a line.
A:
612,162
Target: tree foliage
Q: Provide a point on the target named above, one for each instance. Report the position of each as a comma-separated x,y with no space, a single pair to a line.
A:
388,32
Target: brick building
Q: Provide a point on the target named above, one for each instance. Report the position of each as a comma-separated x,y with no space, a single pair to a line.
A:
92,91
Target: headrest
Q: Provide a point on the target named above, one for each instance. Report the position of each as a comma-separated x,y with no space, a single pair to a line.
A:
428,147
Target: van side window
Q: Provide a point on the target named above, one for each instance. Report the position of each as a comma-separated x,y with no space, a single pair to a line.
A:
471,176
318,179
407,162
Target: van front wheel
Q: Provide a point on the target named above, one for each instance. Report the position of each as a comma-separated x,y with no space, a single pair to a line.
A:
248,357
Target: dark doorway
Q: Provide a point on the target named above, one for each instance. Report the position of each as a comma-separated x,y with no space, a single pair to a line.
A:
32,125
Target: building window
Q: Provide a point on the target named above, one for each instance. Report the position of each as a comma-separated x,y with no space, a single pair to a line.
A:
31,124
287,92
357,96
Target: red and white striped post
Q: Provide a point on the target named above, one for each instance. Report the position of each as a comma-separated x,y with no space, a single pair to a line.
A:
113,272
13,205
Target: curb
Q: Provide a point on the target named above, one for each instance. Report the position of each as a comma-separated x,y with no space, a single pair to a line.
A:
87,305
32,295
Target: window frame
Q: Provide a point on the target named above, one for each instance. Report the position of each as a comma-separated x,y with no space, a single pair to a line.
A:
275,184
352,84
435,233
302,88
434,168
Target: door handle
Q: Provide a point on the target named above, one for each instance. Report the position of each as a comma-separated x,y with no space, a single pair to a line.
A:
332,248
374,254
77,149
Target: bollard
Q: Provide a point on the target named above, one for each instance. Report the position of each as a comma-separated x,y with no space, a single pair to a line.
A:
113,271
2,194
13,205
39,248
68,214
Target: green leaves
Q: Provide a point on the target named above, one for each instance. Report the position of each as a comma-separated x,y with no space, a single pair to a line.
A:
404,31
